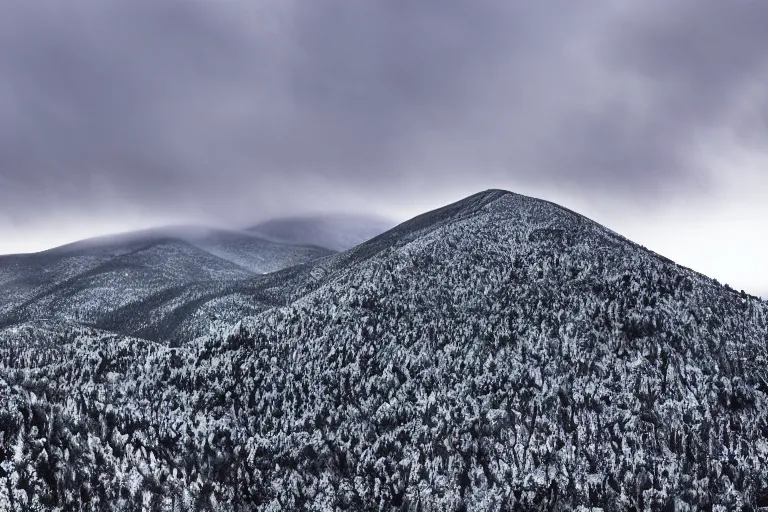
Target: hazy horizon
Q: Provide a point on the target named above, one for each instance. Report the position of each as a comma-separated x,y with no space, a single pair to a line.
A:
649,117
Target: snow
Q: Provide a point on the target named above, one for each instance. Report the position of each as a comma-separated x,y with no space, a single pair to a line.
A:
500,352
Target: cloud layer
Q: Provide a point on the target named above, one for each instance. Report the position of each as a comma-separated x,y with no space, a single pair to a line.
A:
233,110
189,102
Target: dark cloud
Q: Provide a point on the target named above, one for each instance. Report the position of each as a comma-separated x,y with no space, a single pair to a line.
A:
238,108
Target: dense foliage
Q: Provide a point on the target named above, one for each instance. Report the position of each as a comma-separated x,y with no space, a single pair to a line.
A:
501,353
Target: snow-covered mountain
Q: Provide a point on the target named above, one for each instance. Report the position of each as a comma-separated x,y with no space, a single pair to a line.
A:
500,353
117,280
243,248
336,232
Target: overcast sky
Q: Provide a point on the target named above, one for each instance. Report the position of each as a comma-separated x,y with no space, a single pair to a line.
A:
649,116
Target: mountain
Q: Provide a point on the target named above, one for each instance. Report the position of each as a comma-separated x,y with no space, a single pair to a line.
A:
131,281
500,353
243,248
336,232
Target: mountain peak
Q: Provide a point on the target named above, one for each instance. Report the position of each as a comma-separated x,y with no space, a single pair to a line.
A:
493,193
502,349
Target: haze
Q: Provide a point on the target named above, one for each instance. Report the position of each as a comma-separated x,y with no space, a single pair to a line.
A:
648,116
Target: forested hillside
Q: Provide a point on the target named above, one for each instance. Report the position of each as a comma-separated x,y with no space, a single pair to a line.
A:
143,283
501,353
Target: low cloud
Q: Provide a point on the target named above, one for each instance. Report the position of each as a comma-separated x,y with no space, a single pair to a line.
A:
226,110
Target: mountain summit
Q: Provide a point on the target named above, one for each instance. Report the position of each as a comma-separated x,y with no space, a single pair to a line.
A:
499,353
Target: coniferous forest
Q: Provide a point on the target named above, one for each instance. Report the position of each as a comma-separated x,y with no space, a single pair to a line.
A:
501,353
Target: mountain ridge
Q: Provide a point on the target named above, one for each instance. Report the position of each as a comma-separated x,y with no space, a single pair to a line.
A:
499,353
90,278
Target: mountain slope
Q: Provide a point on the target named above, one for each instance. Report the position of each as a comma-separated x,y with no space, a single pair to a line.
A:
499,353
256,254
103,280
242,248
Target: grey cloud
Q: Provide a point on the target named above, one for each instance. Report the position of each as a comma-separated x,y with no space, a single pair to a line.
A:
696,60
231,107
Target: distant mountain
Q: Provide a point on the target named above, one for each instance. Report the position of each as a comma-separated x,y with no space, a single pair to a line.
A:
243,248
335,232
501,353
129,282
